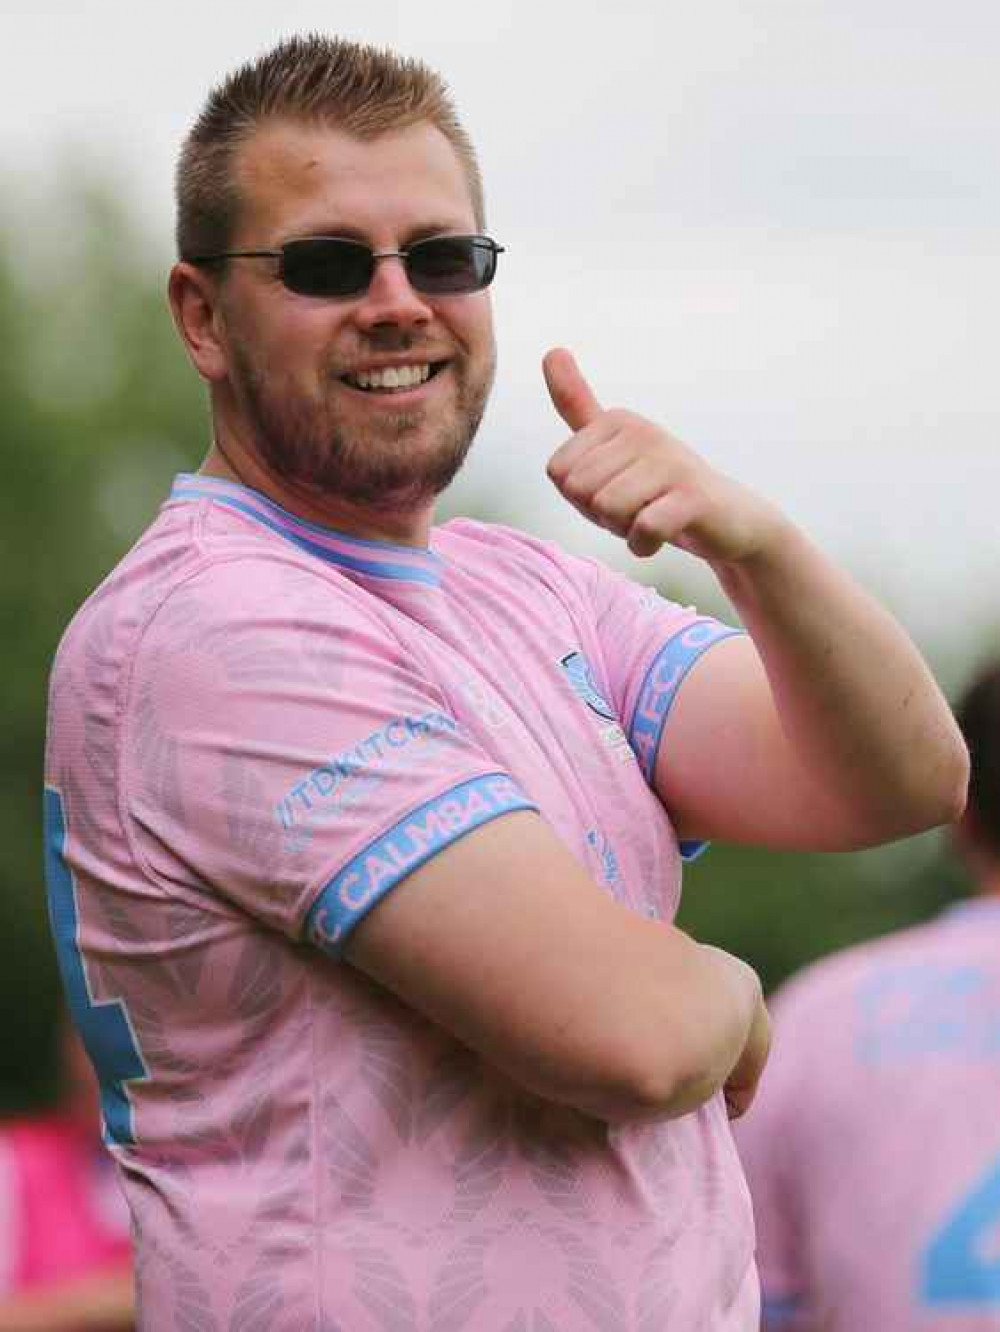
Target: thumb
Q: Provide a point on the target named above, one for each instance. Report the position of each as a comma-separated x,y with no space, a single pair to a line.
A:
571,395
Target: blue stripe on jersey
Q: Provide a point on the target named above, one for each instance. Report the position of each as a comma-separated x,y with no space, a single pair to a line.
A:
960,1271
104,1024
376,568
663,679
778,1310
658,691
691,850
355,889
206,486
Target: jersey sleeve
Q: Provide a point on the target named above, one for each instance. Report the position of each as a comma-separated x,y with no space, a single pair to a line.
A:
283,752
647,645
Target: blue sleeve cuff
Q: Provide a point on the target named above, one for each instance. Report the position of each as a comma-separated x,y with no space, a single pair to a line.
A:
663,679
421,834
692,850
779,1310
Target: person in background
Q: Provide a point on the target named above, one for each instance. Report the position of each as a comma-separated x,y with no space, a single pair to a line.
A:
873,1148
65,1252
364,833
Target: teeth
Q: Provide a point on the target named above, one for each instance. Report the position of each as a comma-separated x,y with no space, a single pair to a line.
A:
392,377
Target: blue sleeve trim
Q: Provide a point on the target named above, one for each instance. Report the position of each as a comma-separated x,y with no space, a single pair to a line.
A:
663,679
421,834
692,850
777,1310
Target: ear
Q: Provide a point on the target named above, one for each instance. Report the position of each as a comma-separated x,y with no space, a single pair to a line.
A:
194,302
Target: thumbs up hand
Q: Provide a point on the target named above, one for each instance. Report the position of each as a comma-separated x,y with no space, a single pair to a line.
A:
627,474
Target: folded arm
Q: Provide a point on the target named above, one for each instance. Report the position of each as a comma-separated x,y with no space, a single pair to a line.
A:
505,941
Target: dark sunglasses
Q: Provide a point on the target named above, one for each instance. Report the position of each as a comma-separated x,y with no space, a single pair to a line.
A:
334,266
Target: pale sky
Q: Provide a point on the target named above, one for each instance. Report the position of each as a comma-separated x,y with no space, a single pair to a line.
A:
773,227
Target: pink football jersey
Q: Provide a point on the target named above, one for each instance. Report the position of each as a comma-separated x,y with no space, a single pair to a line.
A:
873,1149
62,1213
258,727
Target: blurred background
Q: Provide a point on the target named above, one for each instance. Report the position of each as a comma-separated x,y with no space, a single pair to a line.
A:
774,227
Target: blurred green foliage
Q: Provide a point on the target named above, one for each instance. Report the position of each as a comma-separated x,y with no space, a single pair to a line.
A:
100,410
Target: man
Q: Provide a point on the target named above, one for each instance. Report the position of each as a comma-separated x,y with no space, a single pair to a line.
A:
873,1150
364,834
65,1256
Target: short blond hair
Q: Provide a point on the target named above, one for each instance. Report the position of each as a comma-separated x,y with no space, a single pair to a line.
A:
313,79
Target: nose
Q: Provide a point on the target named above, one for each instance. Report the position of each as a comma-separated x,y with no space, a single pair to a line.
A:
391,300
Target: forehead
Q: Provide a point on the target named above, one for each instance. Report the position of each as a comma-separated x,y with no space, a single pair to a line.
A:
303,179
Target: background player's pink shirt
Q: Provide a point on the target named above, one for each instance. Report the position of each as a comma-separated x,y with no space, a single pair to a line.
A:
258,727
873,1149
62,1214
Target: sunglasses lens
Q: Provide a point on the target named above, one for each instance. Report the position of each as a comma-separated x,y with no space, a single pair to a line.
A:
440,266
450,265
326,266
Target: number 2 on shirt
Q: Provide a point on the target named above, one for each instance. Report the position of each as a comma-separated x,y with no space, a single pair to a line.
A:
961,1265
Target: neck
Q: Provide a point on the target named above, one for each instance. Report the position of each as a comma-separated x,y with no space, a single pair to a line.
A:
401,527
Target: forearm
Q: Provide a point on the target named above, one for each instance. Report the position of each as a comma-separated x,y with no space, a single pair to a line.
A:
506,942
707,1004
856,703
723,1001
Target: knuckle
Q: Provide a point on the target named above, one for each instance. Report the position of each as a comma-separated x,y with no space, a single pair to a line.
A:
604,506
645,524
559,465
575,486
621,417
645,533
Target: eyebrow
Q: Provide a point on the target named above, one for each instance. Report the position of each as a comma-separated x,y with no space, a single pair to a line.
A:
424,232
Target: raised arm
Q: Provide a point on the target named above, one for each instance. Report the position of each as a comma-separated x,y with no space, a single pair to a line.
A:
505,941
824,729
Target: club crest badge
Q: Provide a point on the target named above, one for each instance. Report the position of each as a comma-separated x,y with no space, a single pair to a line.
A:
581,679
578,673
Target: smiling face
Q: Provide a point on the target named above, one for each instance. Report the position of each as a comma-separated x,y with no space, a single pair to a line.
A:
373,399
